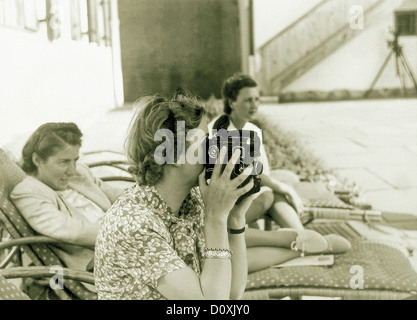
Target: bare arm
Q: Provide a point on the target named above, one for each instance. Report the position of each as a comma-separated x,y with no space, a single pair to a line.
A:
237,243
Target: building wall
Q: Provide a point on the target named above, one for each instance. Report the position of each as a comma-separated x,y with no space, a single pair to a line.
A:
193,44
41,81
354,65
272,16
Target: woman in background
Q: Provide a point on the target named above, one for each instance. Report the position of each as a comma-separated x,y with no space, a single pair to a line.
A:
276,198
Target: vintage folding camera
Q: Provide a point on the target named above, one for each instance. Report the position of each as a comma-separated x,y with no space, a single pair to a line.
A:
248,142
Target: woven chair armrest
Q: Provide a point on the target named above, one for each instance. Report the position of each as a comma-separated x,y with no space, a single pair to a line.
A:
28,240
47,272
110,163
102,151
15,251
116,164
32,240
118,178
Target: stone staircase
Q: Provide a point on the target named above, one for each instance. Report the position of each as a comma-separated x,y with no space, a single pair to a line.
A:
313,37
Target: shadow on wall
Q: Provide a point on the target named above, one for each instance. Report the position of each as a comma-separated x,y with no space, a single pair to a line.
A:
203,83
190,44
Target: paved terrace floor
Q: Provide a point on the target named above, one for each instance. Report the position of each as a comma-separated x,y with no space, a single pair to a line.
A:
372,142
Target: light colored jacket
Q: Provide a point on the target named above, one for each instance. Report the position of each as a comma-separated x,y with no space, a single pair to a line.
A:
50,215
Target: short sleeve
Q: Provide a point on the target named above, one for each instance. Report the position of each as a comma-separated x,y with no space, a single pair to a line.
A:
132,252
155,257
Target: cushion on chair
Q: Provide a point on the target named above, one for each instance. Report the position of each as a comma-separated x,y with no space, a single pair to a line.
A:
10,175
383,267
8,291
316,194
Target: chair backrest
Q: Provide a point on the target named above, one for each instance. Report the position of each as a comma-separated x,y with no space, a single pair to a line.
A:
15,224
10,175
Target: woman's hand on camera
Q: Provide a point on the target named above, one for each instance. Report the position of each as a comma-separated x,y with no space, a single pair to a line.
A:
222,192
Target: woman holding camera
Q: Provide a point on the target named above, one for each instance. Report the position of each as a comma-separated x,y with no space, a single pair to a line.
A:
172,235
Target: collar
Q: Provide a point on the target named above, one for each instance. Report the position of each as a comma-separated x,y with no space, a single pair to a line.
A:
152,198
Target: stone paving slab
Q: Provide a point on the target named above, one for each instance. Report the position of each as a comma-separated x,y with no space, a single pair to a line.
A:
397,177
367,181
344,161
109,132
412,148
397,156
401,201
373,142
340,146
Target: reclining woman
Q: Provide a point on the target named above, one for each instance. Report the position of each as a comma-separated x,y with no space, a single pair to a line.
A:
172,235
60,198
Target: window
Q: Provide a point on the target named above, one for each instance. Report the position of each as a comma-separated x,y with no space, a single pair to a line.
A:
74,20
406,23
19,14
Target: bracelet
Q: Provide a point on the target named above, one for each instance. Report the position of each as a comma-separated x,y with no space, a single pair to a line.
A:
217,253
236,231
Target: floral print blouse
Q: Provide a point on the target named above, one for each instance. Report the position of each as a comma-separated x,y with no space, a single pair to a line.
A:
140,240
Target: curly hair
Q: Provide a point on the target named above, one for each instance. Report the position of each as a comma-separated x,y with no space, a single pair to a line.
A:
232,87
155,113
47,140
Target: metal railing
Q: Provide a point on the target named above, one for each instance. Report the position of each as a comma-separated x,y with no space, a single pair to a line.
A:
323,22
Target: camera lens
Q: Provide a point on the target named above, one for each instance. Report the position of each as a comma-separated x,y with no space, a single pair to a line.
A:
213,151
257,168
